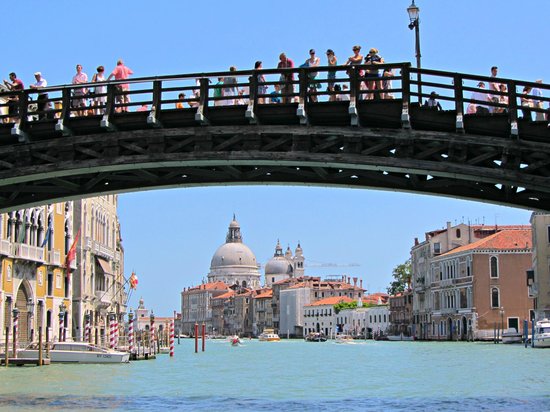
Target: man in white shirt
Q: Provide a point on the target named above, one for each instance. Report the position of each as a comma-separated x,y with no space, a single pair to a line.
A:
480,97
41,101
80,93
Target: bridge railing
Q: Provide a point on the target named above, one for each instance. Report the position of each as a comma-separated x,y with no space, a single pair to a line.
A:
458,93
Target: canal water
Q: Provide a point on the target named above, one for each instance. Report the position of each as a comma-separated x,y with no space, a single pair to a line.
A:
295,376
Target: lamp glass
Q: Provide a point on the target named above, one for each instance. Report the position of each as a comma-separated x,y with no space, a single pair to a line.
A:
413,12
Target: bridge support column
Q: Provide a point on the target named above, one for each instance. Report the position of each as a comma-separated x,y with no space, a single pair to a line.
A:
200,116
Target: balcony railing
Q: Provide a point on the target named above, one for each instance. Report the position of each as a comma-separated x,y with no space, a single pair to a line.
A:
28,252
99,249
54,257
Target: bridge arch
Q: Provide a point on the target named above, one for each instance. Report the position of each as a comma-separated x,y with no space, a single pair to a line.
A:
378,143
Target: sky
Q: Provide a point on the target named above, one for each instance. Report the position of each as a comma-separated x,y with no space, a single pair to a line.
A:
169,236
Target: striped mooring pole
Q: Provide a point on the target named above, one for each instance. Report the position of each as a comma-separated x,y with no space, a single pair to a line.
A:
15,328
112,330
172,338
131,332
87,327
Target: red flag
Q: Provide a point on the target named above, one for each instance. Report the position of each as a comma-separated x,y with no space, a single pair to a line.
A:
71,254
133,281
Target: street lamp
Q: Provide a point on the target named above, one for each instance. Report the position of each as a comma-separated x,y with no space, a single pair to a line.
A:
414,17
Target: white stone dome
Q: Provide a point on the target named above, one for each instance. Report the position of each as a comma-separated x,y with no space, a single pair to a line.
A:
278,265
232,255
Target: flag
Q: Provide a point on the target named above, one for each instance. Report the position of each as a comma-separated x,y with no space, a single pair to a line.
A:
71,254
133,281
47,237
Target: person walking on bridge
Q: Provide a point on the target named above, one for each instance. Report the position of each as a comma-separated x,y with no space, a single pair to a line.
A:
79,99
121,72
286,79
41,100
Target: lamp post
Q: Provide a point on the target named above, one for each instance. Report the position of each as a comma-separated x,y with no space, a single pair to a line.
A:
414,18
30,311
62,309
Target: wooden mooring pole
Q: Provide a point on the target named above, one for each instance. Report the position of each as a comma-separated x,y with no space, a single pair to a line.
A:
40,346
7,345
196,337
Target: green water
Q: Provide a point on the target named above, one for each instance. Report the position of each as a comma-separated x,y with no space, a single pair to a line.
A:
295,375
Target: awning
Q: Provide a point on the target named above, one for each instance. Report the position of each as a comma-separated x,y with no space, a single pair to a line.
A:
104,265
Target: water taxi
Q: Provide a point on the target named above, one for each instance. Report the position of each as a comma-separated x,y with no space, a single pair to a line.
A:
269,335
315,337
542,334
76,352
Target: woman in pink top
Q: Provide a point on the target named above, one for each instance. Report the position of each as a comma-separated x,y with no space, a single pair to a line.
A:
121,72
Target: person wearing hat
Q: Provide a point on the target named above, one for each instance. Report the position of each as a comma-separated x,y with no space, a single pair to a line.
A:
42,99
432,103
331,75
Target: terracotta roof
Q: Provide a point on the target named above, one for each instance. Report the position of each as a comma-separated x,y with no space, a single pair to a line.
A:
266,294
333,300
210,286
507,239
226,295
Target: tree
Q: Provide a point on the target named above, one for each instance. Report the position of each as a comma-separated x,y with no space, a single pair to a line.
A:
402,278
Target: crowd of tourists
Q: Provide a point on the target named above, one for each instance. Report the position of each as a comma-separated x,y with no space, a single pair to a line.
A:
374,83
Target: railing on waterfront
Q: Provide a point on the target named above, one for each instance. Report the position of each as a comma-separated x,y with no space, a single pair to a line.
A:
301,87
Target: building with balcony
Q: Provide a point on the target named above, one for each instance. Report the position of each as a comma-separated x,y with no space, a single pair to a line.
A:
33,278
196,305
99,285
480,287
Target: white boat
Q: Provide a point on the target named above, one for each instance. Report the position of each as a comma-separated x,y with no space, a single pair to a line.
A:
269,335
542,334
511,335
400,337
76,352
342,338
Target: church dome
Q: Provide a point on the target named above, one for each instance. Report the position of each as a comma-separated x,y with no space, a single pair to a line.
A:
278,266
232,255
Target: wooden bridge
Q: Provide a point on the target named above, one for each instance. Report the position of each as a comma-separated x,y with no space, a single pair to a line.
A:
317,135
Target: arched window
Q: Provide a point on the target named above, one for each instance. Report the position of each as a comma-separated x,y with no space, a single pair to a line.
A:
458,233
495,298
494,267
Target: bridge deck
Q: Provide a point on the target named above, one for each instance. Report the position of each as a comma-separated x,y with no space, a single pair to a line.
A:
317,135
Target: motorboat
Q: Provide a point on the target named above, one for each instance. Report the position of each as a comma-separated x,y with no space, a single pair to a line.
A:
343,338
76,352
234,340
400,337
315,337
511,335
541,338
269,335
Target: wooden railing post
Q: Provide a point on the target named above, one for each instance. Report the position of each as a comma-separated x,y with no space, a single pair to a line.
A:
354,92
153,117
19,126
252,98
109,109
459,102
406,95
65,112
301,112
513,109
200,116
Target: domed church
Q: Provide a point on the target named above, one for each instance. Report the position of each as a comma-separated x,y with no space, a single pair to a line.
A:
234,263
281,267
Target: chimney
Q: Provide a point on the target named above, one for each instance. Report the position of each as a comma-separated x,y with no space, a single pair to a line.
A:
355,281
349,280
416,241
361,283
